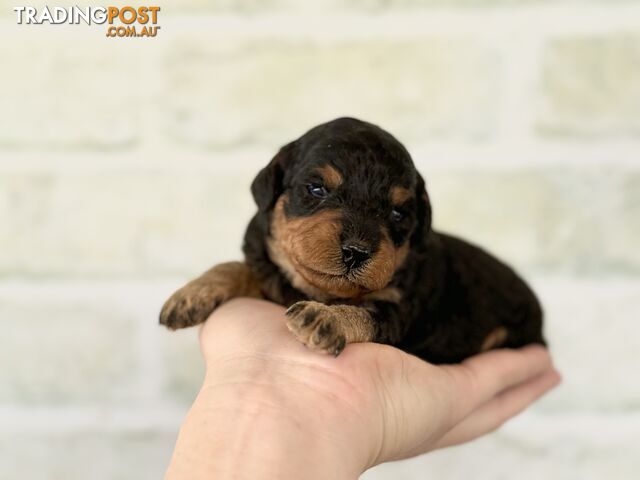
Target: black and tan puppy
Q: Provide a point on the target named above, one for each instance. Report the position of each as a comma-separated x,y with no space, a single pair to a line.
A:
343,238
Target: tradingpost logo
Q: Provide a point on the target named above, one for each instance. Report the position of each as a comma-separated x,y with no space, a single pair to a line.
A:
121,21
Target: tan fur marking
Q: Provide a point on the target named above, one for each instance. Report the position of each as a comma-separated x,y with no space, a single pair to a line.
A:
194,302
234,279
329,328
280,258
308,250
401,255
399,195
332,177
494,339
293,241
356,323
389,294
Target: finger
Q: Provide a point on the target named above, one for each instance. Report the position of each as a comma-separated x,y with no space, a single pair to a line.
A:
482,377
423,402
501,408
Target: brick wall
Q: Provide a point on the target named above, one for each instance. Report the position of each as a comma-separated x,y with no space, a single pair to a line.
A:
524,117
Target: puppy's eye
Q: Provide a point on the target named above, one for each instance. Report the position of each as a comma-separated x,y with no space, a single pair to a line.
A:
397,215
317,190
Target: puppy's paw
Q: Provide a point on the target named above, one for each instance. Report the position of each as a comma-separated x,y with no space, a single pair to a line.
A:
190,305
317,325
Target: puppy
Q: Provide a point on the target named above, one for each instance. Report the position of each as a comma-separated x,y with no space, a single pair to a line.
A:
343,238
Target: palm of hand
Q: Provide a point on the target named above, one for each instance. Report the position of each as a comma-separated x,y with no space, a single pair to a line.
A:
390,404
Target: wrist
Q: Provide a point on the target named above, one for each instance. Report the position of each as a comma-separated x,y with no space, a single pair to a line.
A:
264,439
261,420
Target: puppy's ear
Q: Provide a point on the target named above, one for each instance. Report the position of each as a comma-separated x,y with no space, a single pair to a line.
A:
423,212
267,186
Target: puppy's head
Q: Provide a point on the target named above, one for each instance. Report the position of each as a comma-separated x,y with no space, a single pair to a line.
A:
345,205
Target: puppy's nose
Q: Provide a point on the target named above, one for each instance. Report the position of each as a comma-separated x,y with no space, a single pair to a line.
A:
354,255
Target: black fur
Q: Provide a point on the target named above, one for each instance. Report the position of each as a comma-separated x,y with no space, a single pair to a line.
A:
454,294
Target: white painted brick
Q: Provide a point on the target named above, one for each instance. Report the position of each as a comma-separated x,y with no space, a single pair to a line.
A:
184,219
94,343
551,219
499,210
253,7
182,364
591,86
622,226
57,352
266,6
84,455
534,447
222,93
121,223
583,219
381,5
68,88
591,326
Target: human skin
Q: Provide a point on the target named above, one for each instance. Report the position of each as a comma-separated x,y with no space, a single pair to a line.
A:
269,408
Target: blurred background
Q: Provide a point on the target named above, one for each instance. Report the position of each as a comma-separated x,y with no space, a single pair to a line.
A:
125,166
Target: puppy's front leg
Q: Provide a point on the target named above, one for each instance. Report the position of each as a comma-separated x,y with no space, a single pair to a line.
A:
194,302
329,328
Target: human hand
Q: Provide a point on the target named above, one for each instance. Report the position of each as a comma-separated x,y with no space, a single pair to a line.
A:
274,409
